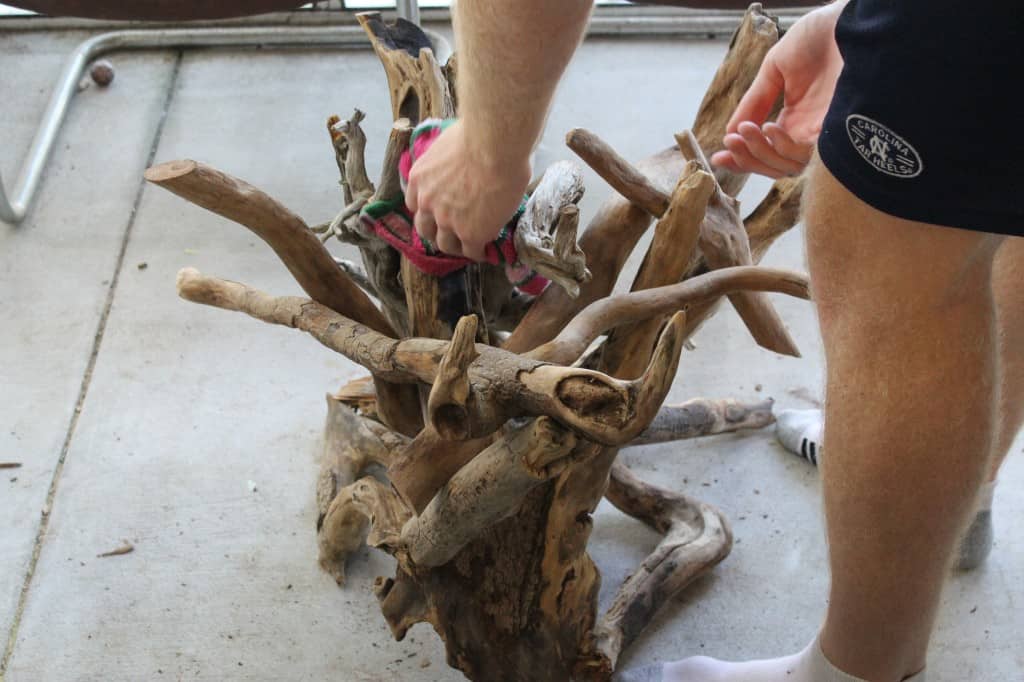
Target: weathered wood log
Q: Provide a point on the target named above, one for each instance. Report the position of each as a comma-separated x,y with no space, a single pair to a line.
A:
488,489
675,239
545,236
613,311
724,243
351,443
703,417
446,407
366,505
696,537
489,507
301,252
624,178
757,33
603,409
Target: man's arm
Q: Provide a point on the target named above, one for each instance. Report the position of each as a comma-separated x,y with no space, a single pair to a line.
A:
512,54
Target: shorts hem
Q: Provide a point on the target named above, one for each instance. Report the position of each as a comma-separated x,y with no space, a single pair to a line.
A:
901,206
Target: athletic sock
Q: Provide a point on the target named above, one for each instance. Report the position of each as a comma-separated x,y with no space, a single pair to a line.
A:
800,432
810,665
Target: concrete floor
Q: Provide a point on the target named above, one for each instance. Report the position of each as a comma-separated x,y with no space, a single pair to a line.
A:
139,417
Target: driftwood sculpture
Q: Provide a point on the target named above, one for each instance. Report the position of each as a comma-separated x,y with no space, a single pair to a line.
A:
497,416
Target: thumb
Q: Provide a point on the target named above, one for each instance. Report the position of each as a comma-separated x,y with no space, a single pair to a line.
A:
760,98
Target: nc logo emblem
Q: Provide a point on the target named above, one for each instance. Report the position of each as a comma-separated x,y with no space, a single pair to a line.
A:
886,151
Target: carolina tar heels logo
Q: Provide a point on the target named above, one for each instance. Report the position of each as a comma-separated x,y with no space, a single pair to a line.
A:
882,148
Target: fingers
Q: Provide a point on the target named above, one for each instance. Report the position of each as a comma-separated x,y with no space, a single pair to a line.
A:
474,250
759,99
786,145
762,150
449,243
735,143
425,225
412,190
751,150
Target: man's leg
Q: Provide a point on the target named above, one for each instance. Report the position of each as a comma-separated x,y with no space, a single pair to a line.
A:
800,431
908,322
1009,297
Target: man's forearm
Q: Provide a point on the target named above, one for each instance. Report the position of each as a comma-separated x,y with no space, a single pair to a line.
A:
512,54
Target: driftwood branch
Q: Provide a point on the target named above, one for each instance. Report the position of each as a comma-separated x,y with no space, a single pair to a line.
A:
488,489
777,213
696,538
349,142
724,243
675,239
546,232
757,33
300,251
366,505
602,408
624,178
704,417
390,186
618,225
446,407
614,311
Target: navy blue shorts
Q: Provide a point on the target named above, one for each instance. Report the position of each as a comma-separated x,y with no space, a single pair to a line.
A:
922,125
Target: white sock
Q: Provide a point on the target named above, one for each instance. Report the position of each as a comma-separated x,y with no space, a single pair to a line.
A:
810,665
800,432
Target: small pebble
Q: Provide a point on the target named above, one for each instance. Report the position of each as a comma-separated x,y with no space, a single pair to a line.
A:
102,73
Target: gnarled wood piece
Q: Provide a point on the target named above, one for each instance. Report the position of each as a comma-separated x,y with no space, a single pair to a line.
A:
603,409
618,225
349,142
777,213
301,252
757,33
486,490
380,260
697,537
419,90
364,505
675,238
402,603
724,243
614,311
545,236
624,178
446,407
703,417
417,84
390,186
